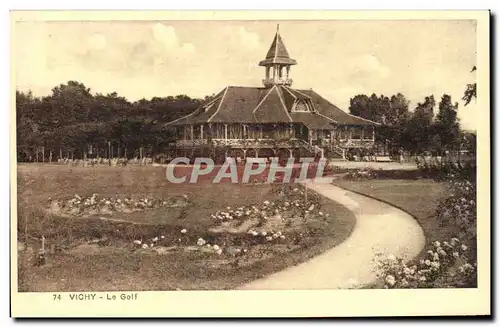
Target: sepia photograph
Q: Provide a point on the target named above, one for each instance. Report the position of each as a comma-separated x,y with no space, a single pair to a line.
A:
174,153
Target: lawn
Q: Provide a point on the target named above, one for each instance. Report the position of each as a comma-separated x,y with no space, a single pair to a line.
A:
420,198
88,253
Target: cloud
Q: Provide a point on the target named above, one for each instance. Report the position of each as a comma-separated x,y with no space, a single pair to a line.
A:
168,38
248,39
367,67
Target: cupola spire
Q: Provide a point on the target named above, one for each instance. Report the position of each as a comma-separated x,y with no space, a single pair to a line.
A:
277,60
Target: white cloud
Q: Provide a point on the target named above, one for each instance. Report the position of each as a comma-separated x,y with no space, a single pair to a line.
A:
170,41
368,66
248,39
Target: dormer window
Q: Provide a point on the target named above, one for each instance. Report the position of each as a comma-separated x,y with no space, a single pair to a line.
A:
303,106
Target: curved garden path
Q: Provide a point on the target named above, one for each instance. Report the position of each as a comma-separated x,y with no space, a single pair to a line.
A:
380,229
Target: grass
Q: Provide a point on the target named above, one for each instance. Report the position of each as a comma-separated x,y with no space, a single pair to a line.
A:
117,266
420,198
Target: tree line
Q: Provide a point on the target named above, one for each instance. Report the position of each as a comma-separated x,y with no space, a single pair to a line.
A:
73,122
430,127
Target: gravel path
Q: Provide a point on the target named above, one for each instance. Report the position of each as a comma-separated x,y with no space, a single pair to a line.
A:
380,229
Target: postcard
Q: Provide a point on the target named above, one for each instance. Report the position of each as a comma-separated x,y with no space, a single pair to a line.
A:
250,164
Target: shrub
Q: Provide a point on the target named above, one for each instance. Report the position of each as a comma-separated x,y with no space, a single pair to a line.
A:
445,265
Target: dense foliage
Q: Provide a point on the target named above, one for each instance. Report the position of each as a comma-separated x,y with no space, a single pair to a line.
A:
72,120
419,131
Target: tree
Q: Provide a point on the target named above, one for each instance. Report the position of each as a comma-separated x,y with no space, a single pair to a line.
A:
447,125
72,119
470,91
391,112
417,133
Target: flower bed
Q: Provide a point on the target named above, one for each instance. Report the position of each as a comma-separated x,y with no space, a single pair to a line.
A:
94,205
446,264
234,231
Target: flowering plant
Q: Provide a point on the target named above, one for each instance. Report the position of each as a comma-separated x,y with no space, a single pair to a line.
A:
446,264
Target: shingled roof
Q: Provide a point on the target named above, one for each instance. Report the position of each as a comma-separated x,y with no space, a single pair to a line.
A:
277,53
237,104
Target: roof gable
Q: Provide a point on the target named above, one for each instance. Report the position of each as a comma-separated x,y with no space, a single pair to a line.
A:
271,109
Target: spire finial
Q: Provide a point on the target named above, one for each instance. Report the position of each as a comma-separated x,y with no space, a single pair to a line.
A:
278,28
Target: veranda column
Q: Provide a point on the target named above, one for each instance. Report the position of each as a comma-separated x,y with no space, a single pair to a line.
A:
362,133
192,132
201,132
225,132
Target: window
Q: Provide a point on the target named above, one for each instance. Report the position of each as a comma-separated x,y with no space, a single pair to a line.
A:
303,106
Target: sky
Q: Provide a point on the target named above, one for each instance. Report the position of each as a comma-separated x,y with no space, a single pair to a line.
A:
337,58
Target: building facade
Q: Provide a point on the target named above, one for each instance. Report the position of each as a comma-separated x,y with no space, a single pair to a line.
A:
272,120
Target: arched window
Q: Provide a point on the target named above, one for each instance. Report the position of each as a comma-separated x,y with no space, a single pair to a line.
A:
302,106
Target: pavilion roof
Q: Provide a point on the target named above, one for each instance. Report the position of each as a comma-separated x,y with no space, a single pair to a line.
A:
237,104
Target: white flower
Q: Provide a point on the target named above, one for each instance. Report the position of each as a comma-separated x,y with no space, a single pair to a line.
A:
138,242
266,202
155,239
320,213
407,270
183,231
216,247
162,236
311,208
455,254
464,247
201,242
219,251
144,246
442,252
428,262
282,237
437,244
269,238
422,278
435,265
151,245
254,233
263,233
209,246
286,204
391,257
390,280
